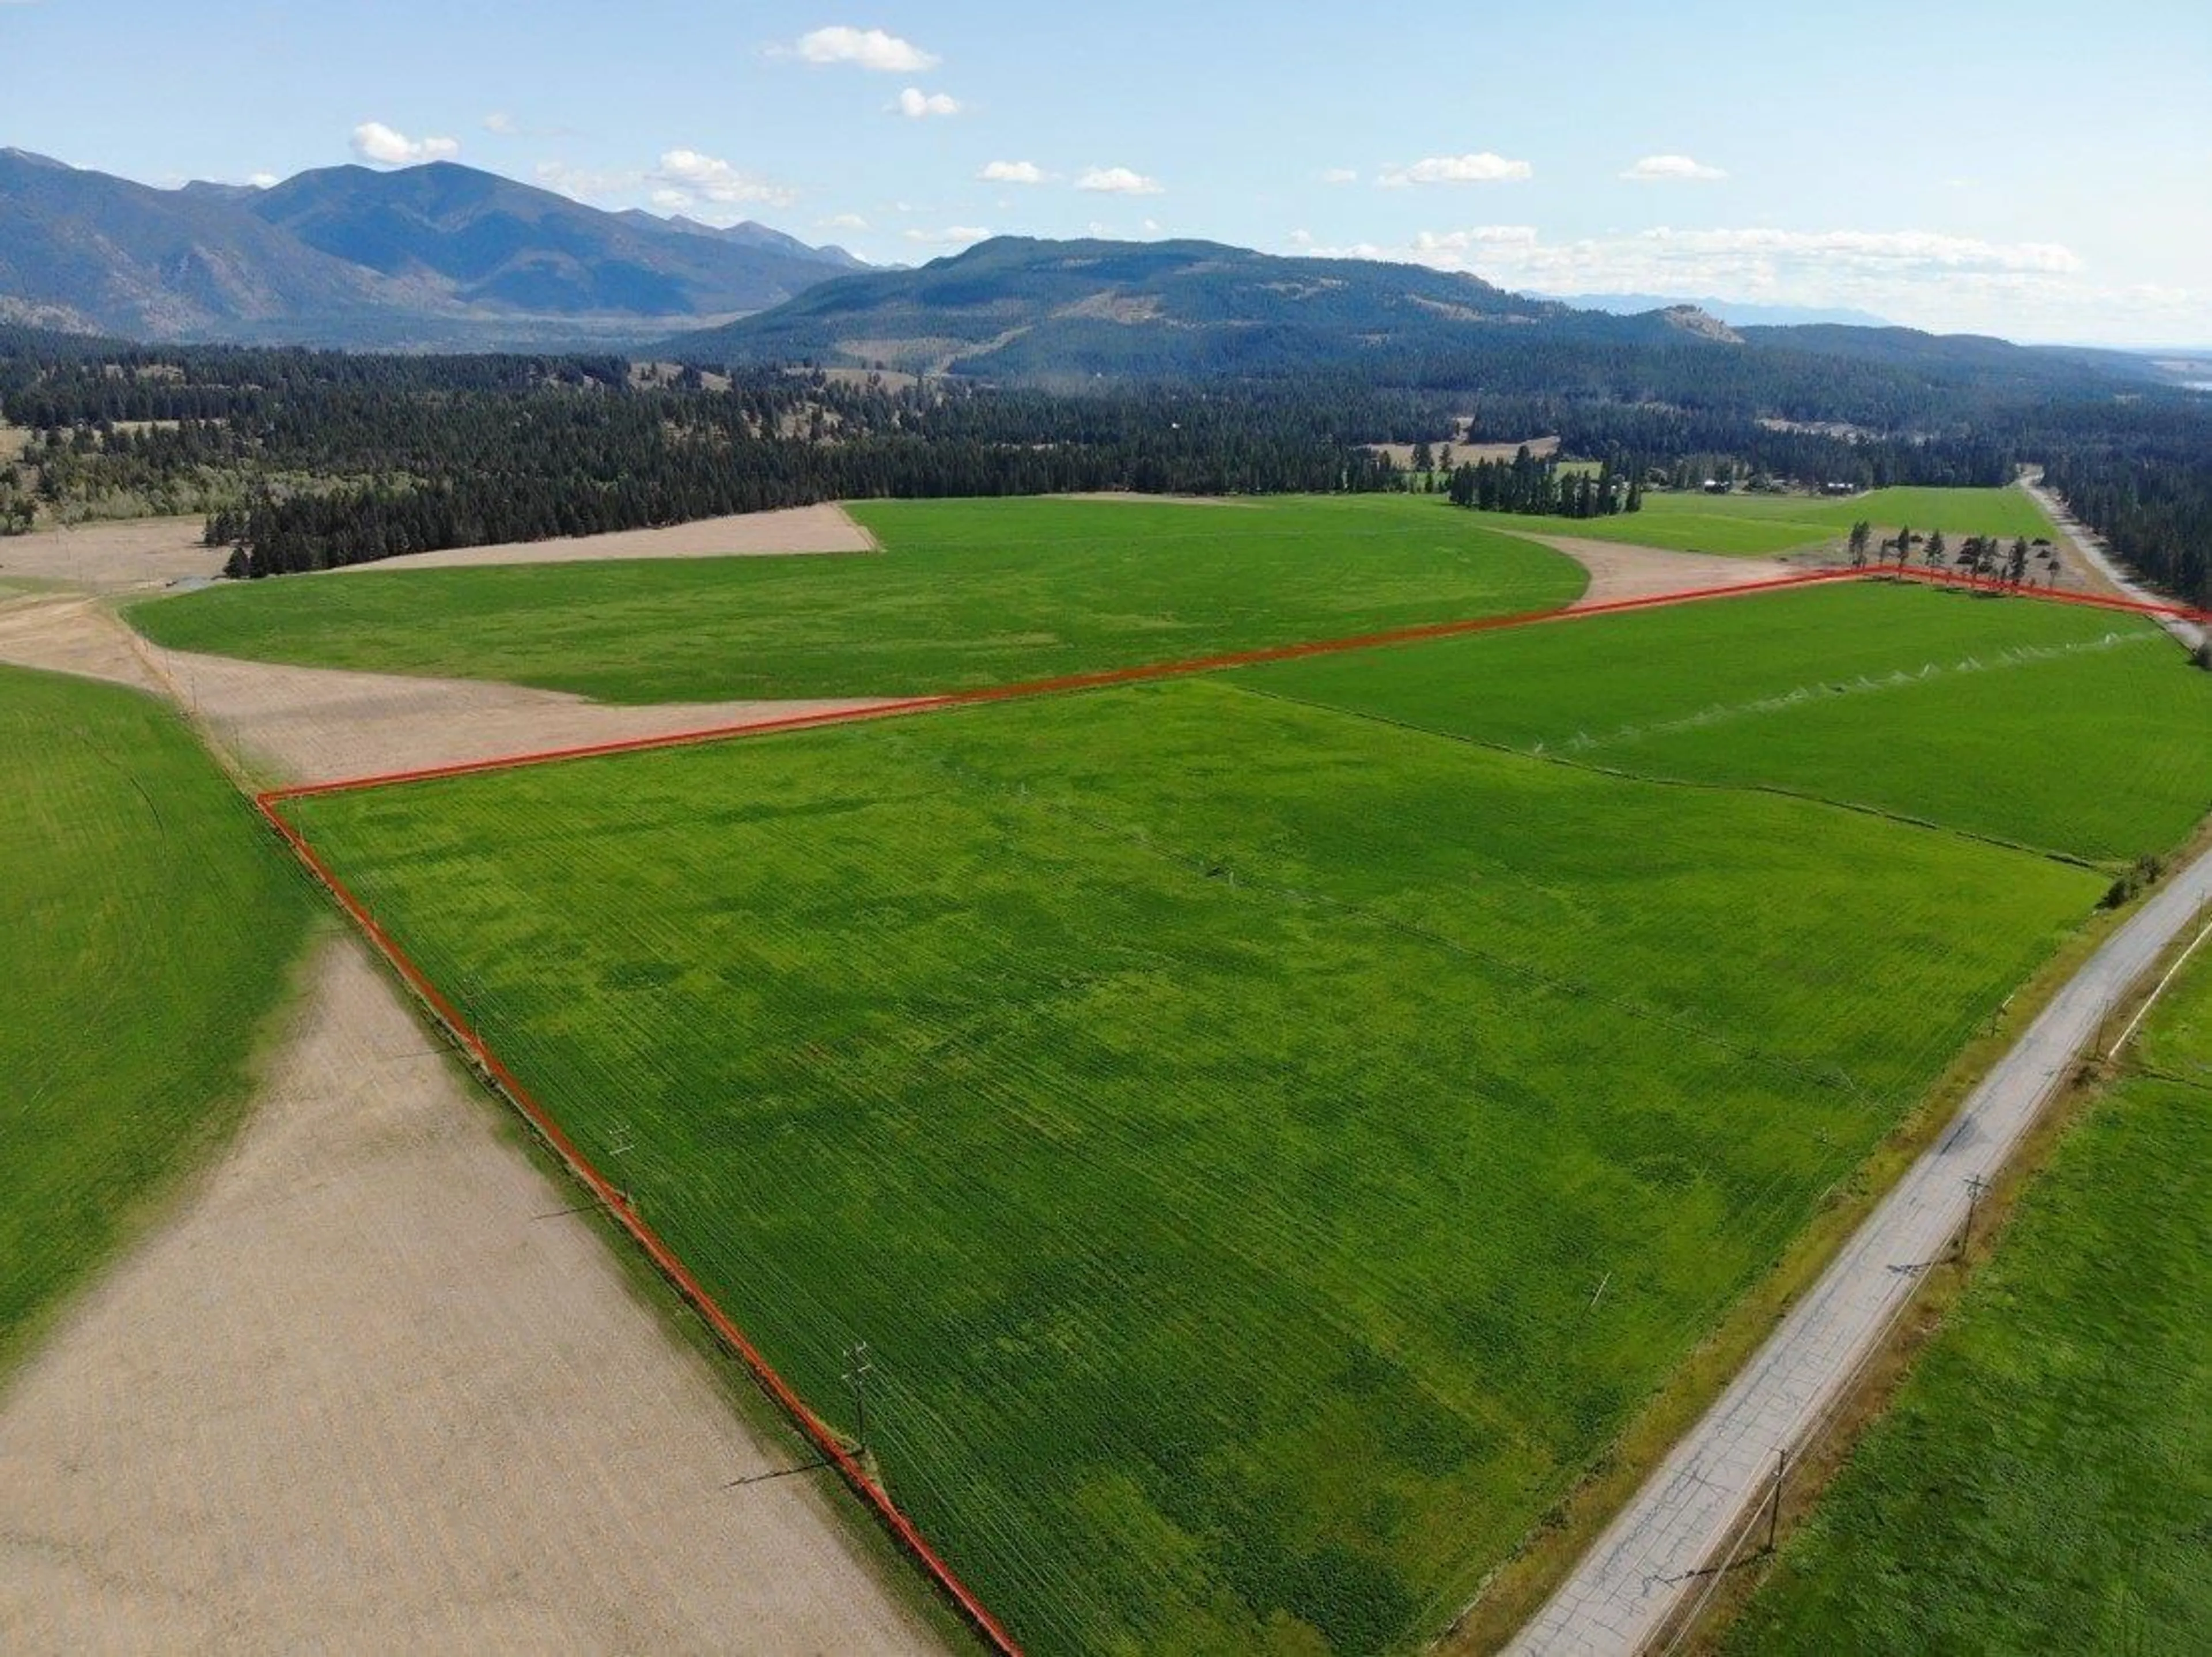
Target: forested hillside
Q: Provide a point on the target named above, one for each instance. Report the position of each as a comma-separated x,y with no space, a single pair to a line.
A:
305,459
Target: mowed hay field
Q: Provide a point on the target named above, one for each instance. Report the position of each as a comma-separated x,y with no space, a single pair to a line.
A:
2043,1480
1760,524
966,593
149,926
2069,730
1270,1152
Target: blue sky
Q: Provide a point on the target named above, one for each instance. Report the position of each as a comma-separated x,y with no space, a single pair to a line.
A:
2039,171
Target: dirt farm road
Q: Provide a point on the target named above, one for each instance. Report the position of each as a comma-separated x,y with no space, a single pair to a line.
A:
375,1385
2090,546
1703,1500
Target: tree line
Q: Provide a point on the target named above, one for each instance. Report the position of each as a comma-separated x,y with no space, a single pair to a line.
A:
303,458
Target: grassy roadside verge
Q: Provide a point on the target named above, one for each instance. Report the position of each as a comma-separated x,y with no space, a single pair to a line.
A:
2030,1472
1520,1587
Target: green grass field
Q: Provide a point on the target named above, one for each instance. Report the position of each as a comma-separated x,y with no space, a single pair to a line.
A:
2044,1479
150,926
1755,525
2067,730
1269,1153
970,593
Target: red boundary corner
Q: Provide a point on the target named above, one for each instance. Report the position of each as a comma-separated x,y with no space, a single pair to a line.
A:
663,1257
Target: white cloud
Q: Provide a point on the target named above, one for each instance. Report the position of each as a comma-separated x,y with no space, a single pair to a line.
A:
869,48
1929,279
1340,175
1664,170
372,141
503,124
841,222
914,104
1119,181
263,181
953,235
687,179
1481,168
1013,172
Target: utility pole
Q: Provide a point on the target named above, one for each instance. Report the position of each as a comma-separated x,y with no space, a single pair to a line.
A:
1976,1187
1774,1511
857,1371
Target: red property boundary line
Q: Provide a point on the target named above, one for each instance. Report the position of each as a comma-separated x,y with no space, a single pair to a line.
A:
2048,595
1112,676
1089,681
663,1257
616,1202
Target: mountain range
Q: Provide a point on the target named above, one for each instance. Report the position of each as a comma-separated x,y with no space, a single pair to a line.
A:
438,254
1019,308
442,256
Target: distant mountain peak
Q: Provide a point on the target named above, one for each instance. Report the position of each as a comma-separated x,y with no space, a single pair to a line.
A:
438,254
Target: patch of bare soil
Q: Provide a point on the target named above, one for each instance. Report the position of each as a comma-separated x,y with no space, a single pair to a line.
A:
825,528
70,633
318,725
1618,571
114,556
372,1389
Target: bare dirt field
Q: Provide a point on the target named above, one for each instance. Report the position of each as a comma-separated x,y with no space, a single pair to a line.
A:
70,633
318,725
370,1388
825,528
1621,571
114,556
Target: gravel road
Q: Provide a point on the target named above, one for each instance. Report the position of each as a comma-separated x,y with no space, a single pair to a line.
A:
1691,1512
